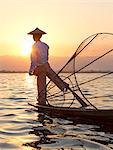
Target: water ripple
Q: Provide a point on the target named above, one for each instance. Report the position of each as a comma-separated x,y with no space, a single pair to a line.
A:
8,115
7,146
13,133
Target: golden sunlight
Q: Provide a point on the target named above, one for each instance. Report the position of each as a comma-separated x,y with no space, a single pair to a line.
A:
26,46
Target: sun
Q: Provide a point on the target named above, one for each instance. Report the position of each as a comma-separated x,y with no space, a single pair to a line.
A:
26,46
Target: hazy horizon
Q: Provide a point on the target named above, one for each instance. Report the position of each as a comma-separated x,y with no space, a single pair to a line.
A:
21,63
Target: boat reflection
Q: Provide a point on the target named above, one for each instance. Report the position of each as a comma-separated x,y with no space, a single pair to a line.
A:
68,135
41,132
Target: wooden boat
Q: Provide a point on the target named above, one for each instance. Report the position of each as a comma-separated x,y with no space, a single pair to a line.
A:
75,114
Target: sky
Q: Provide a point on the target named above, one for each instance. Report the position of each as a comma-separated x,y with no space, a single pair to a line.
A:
67,23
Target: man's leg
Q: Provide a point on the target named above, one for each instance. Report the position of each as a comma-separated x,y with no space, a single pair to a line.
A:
55,78
41,86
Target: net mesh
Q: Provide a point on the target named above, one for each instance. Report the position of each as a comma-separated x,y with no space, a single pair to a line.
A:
89,66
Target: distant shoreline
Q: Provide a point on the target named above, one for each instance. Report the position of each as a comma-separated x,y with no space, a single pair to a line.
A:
13,71
56,71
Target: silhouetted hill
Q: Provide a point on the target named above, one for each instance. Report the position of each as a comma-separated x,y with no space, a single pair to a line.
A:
18,63
14,63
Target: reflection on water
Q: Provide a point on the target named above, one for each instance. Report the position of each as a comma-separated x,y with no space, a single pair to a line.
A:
63,134
21,128
41,132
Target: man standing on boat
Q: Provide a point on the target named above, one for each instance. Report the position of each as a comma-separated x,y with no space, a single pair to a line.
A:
41,68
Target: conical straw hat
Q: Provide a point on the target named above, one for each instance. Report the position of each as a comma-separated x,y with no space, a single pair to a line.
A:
37,31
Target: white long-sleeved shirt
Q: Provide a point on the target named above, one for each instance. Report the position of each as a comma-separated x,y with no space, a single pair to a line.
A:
39,55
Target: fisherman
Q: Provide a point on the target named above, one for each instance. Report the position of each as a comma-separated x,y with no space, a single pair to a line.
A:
41,68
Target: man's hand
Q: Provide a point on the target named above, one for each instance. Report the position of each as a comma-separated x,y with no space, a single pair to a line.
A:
30,73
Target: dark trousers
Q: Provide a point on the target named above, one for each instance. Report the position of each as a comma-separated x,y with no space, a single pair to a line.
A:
41,72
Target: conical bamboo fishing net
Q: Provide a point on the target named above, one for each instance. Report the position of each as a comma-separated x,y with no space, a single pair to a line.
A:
89,66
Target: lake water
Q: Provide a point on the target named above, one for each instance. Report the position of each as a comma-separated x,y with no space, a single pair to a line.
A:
23,129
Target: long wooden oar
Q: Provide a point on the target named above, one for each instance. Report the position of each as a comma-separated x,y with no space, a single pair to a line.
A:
78,98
